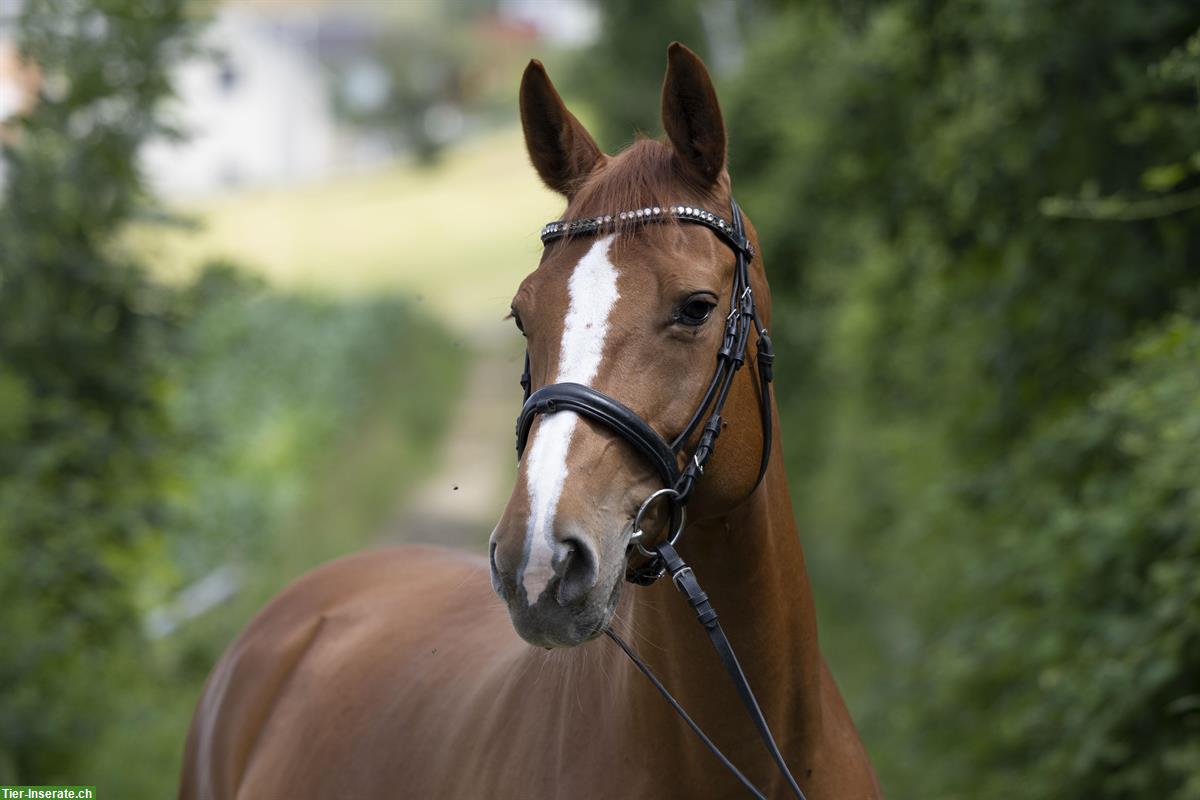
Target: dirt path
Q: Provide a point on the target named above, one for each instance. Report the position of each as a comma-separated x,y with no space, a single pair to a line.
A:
459,503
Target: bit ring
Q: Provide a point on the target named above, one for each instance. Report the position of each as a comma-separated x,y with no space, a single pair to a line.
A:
638,533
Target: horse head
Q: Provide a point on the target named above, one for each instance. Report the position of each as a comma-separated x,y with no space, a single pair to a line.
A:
636,313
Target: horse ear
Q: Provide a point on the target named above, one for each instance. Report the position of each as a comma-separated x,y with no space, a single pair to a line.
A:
691,116
562,151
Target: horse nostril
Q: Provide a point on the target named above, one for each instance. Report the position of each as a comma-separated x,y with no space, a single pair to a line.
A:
575,566
497,584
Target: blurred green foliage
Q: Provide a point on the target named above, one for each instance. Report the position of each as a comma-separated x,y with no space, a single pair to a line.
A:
267,383
967,381
84,439
981,221
621,74
149,435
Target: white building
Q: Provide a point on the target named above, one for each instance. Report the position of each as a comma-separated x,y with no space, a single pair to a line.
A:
258,113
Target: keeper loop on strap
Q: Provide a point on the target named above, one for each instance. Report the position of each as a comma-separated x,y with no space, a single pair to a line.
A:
727,346
766,357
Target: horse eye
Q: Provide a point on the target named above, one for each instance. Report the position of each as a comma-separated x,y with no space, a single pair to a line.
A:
695,311
516,318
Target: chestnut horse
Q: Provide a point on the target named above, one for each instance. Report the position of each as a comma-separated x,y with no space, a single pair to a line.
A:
393,673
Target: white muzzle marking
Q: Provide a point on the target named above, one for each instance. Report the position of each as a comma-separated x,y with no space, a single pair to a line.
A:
593,293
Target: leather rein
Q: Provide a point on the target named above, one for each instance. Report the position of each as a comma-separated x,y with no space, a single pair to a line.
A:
678,483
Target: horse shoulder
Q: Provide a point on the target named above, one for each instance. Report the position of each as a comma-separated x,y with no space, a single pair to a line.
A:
322,624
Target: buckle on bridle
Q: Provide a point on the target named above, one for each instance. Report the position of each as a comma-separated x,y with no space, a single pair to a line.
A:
675,576
747,301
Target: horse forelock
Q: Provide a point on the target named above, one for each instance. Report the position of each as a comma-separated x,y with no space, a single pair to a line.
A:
643,175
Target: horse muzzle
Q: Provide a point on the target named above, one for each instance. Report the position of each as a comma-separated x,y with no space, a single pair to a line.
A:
562,604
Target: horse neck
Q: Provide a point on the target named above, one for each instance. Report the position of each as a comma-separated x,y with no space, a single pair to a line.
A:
750,563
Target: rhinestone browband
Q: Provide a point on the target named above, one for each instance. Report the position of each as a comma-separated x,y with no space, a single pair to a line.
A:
590,225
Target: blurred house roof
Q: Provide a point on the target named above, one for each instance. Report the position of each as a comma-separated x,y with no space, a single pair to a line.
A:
569,23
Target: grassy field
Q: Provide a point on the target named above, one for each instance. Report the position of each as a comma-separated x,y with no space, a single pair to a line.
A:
459,235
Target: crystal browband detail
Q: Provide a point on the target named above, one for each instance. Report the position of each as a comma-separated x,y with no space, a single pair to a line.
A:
590,225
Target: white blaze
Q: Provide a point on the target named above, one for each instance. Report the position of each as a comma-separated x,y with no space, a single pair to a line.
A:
593,293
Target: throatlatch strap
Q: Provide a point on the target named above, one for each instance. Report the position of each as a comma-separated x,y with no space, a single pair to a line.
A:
685,581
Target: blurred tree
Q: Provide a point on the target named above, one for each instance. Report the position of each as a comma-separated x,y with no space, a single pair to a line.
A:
982,225
150,434
408,86
83,435
621,74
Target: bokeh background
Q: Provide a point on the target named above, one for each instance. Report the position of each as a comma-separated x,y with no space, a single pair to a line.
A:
255,256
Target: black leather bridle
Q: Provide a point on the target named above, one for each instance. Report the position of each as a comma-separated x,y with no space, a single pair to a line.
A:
678,483
743,316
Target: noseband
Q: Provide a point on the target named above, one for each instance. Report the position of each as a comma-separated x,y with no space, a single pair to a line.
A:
743,315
